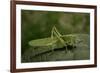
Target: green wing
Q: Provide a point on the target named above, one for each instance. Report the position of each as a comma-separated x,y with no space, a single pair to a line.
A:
42,42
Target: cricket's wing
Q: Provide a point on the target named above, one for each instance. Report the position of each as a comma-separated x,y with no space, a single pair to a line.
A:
42,42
